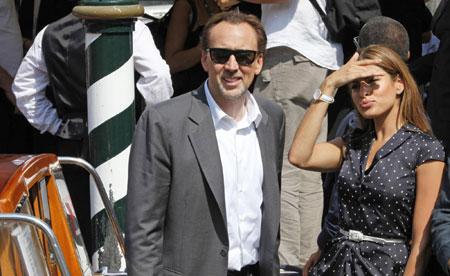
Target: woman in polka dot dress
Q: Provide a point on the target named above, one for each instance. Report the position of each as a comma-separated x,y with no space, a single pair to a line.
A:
390,170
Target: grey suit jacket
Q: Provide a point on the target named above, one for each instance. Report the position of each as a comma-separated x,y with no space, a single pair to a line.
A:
176,219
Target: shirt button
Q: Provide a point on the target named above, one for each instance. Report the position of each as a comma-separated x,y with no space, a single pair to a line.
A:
223,252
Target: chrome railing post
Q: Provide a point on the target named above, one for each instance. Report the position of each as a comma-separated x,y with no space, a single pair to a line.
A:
103,195
53,242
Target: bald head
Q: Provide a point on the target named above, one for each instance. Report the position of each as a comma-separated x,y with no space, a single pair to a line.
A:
385,31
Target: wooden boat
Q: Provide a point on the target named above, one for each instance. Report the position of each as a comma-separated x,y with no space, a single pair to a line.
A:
39,232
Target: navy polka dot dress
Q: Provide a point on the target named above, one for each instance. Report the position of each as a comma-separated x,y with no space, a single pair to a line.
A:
378,202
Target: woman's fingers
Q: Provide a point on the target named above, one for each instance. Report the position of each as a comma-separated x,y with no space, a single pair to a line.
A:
358,70
368,61
364,71
354,57
354,69
305,271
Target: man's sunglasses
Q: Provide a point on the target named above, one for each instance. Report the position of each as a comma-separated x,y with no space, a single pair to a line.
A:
221,55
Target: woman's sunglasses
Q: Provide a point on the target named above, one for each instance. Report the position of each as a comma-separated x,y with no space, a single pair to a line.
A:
221,55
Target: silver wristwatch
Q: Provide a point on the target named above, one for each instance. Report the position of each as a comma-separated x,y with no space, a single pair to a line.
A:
319,96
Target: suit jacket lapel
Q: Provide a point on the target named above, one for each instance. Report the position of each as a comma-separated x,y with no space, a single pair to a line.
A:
271,190
270,186
261,133
204,143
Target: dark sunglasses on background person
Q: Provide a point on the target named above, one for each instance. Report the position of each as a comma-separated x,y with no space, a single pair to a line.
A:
222,55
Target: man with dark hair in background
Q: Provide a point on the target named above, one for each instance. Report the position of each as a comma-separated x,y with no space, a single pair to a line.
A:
385,31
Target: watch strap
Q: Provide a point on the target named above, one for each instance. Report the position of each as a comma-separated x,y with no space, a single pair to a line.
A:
324,98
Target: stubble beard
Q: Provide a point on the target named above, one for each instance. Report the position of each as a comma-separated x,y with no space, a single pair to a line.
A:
233,95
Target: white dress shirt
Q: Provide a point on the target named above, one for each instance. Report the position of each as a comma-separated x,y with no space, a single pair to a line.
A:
297,25
242,167
154,84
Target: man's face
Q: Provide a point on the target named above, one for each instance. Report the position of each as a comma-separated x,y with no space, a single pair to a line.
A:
229,80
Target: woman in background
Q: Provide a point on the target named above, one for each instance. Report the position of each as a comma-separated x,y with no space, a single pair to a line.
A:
389,171
182,50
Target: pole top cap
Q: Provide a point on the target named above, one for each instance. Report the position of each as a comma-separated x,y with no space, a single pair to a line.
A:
91,9
107,2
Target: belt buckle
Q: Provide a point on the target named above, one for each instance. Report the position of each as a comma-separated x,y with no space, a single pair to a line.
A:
355,235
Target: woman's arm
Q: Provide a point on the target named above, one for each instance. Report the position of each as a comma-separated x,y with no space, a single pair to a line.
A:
428,181
304,152
176,56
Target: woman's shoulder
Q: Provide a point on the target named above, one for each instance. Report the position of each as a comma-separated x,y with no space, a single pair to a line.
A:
428,146
421,137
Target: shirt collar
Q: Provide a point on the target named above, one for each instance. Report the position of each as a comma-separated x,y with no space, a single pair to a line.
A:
253,114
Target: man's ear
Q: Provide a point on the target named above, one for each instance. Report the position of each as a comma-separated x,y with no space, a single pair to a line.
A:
259,64
204,60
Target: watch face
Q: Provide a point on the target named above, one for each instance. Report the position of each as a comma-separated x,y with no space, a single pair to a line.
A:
316,94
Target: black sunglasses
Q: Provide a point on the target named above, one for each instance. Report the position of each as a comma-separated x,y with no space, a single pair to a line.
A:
221,55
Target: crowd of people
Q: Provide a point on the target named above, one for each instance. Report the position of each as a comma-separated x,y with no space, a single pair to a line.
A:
263,142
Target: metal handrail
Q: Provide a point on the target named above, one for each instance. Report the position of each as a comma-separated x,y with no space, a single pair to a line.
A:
103,195
53,242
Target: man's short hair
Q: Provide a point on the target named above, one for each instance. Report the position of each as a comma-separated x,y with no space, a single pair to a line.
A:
385,31
235,17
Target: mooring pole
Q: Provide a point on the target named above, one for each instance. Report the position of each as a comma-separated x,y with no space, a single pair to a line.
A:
111,117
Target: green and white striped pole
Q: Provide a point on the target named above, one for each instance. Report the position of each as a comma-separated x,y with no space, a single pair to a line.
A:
111,117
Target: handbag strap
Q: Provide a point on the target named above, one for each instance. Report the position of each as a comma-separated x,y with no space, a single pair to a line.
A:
322,14
318,8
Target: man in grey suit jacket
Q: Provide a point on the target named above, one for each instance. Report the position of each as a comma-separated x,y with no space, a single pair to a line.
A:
205,167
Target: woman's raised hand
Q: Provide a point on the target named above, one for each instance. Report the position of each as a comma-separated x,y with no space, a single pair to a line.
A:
354,69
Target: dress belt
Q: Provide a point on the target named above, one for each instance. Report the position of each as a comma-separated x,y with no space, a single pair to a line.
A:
358,236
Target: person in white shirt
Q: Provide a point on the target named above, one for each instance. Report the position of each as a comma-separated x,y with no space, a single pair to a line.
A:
33,77
298,59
